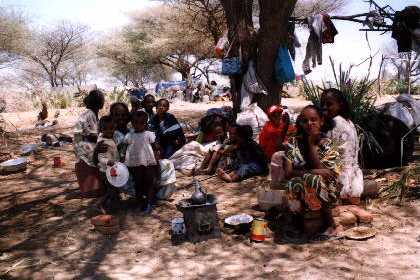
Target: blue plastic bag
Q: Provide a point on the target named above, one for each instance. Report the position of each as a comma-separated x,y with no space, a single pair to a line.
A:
231,66
283,67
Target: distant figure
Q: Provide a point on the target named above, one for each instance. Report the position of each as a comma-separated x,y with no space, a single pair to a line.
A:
43,115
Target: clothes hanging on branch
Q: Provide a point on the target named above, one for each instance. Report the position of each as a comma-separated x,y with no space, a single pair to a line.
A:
292,40
330,31
322,31
251,85
314,45
404,28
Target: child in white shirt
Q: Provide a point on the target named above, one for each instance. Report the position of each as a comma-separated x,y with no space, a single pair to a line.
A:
141,160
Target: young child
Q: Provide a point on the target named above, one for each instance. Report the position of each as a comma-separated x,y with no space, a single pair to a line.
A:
274,131
108,158
141,161
135,104
169,133
215,153
148,104
248,159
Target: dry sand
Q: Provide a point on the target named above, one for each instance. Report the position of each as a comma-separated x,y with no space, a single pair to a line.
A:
45,233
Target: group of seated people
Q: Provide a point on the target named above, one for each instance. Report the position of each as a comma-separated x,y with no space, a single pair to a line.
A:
315,160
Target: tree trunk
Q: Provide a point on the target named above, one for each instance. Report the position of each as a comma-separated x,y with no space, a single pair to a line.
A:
239,21
274,16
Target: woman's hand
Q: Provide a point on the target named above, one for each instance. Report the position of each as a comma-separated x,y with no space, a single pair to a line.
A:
285,118
325,173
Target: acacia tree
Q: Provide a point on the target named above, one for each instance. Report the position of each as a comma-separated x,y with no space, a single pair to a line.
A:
12,35
127,56
171,40
50,50
406,67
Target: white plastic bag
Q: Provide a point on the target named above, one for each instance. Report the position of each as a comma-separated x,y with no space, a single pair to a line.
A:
399,111
253,116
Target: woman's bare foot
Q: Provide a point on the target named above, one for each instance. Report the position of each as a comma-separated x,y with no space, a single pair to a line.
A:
223,175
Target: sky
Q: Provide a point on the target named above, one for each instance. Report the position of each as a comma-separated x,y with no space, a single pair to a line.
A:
350,45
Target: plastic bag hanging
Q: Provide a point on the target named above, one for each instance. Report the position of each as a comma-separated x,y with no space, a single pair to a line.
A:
221,45
283,67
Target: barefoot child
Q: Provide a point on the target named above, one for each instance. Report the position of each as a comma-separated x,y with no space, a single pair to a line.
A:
215,153
248,159
141,161
169,133
108,158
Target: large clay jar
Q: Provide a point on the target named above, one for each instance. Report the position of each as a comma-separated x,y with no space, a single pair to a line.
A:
313,222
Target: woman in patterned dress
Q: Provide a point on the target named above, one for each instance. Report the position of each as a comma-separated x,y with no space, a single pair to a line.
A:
85,137
312,165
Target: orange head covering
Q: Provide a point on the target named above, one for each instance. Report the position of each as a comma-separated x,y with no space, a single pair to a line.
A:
274,109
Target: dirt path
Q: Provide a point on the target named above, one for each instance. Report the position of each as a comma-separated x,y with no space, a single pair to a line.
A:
45,233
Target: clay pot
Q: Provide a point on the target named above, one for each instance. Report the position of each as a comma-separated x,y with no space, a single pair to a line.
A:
347,218
370,189
104,220
362,215
313,222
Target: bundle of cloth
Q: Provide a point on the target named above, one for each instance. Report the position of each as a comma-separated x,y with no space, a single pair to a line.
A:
406,29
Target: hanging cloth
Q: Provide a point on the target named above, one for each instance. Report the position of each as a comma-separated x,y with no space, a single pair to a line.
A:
283,67
251,85
292,40
314,45
330,31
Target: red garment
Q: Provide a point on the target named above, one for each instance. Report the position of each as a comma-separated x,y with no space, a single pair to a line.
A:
270,138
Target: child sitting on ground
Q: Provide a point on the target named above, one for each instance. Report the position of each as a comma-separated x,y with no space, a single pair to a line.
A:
169,133
108,158
215,153
141,160
274,131
248,159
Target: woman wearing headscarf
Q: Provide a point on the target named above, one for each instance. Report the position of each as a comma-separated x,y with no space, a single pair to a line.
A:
85,137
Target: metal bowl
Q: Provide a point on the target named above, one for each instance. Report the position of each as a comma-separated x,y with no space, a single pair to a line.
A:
13,165
27,149
239,223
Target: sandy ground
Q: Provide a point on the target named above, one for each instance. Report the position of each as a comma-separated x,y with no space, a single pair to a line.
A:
45,232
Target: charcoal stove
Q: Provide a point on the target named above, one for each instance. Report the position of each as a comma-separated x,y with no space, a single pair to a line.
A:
201,220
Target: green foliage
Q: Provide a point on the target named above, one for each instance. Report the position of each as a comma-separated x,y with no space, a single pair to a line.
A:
400,189
117,96
54,99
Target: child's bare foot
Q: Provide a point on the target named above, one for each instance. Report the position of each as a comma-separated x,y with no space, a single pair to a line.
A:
223,175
